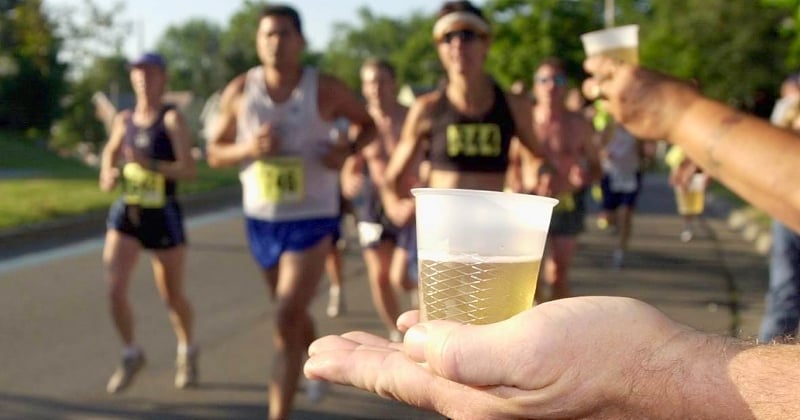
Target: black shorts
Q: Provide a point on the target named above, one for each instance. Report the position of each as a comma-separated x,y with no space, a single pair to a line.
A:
160,228
568,215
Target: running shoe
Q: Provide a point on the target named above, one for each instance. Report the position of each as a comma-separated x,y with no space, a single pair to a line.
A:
316,390
336,305
186,370
617,259
127,369
687,235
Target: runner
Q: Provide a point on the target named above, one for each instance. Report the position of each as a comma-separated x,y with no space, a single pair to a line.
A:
152,145
621,184
568,140
469,122
383,242
276,122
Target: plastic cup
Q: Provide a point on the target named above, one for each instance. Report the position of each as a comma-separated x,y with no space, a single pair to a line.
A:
479,252
621,42
691,200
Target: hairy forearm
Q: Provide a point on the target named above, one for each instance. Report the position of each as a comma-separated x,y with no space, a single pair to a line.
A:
767,380
753,158
688,378
698,376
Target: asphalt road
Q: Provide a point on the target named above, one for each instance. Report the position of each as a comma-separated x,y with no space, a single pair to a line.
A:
58,348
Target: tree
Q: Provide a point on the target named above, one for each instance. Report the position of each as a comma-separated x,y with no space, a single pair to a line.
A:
789,28
526,31
33,79
193,51
93,48
730,46
81,123
405,42
90,32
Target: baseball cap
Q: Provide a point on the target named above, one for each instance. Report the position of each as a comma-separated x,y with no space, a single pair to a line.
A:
149,58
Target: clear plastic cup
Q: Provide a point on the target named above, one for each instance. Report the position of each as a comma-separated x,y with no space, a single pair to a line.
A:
691,200
621,42
479,252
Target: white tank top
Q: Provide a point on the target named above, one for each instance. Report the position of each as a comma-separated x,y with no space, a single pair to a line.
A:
293,184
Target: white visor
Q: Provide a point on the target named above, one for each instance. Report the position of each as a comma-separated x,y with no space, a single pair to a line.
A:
459,20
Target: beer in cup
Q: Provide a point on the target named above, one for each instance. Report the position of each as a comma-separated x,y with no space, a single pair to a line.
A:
479,252
621,42
691,199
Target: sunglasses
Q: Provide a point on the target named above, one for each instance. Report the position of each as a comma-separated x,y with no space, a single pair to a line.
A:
464,35
558,80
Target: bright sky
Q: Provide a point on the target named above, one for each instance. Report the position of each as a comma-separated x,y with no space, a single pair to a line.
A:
153,17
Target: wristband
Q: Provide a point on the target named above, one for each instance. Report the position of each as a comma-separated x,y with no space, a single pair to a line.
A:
352,148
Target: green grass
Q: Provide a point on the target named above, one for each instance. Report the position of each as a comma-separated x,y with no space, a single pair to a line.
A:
47,187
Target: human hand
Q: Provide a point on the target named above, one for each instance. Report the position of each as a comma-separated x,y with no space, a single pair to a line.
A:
649,104
588,357
108,178
266,142
352,184
334,154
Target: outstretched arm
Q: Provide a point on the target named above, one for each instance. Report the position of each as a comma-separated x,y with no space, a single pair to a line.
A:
567,359
746,153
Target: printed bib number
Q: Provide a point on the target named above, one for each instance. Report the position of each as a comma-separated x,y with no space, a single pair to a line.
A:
566,203
280,179
481,140
142,187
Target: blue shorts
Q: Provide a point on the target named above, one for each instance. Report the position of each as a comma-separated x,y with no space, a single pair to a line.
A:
156,229
268,240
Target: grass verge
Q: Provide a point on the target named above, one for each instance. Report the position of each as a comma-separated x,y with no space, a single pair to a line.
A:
38,186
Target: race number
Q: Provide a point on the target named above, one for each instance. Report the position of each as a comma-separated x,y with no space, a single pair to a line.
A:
566,203
142,187
281,179
479,140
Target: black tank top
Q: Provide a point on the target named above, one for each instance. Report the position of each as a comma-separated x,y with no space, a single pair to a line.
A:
471,144
154,142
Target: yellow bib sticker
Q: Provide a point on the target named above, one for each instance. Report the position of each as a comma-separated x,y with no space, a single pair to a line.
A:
281,180
142,187
479,140
566,203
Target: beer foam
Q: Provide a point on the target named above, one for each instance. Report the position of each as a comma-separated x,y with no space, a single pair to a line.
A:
445,257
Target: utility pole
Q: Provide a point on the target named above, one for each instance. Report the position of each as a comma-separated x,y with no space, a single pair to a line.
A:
608,13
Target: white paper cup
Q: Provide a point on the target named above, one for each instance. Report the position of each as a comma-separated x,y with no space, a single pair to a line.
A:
621,42
479,252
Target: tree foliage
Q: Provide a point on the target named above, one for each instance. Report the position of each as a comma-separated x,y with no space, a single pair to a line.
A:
31,78
193,52
405,42
736,48
93,39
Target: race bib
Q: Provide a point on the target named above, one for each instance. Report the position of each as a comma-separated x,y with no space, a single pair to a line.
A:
566,203
480,140
142,187
280,179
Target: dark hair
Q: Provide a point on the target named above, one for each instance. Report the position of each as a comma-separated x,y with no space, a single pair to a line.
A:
460,6
381,64
283,10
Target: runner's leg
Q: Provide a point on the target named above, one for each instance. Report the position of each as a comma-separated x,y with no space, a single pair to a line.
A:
298,277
